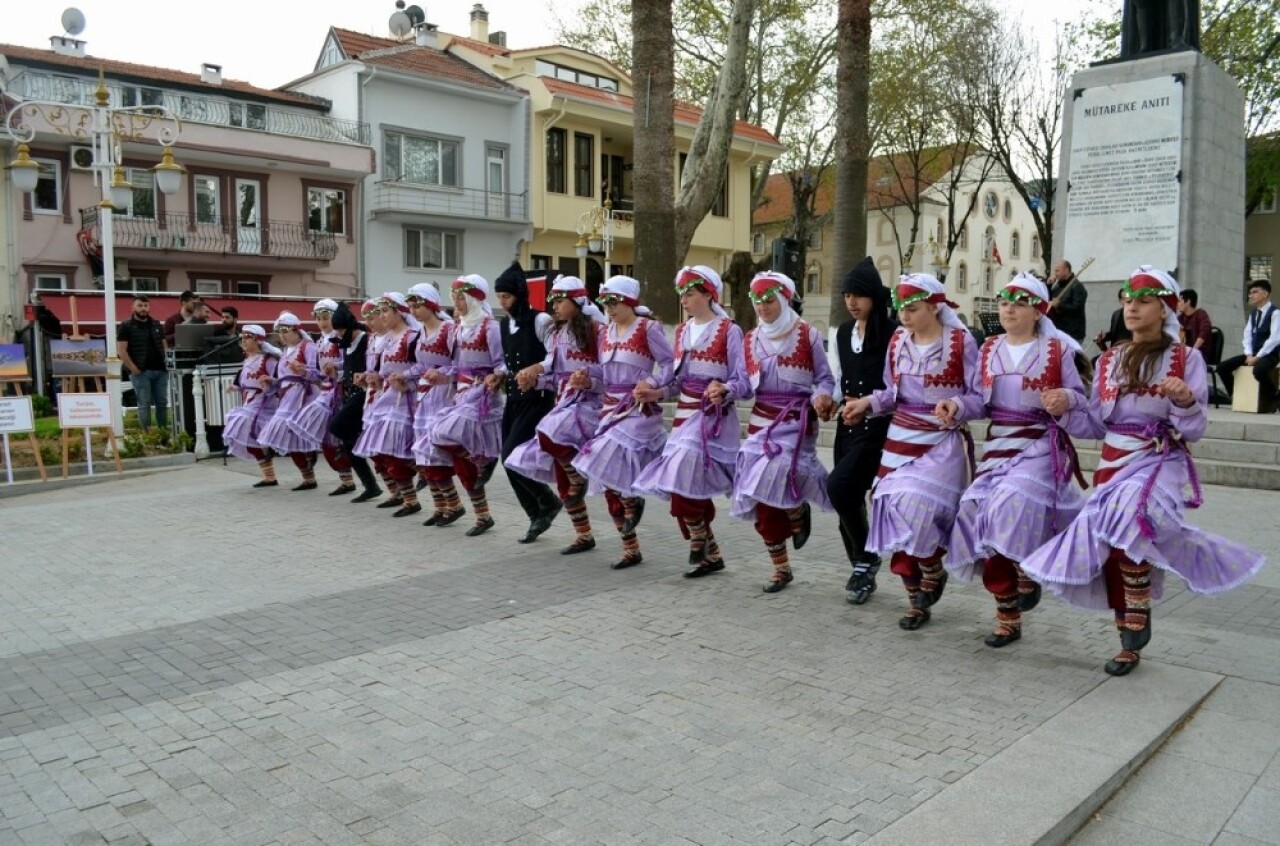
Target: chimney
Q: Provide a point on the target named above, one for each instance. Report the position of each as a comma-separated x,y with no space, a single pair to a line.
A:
479,23
498,39
66,46
211,74
428,35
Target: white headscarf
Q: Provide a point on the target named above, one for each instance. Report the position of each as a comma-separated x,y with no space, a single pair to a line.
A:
401,305
1024,281
325,305
477,288
627,288
429,294
709,279
253,329
1162,285
911,285
576,290
289,319
770,280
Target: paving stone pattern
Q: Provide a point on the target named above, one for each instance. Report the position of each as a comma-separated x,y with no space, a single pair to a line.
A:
186,660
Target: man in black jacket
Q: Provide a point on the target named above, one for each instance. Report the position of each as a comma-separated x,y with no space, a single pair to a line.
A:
140,347
524,332
352,338
1067,298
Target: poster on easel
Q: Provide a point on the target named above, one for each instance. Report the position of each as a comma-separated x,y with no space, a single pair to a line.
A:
18,418
87,412
14,377
80,358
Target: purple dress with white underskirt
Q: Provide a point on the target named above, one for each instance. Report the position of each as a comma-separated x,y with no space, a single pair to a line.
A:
391,432
1026,489
924,468
312,421
778,462
1138,501
294,391
630,435
698,458
573,419
473,423
434,352
244,423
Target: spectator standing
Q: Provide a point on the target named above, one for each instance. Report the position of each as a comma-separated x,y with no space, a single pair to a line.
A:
1261,341
185,307
199,313
141,347
1067,300
230,320
1197,328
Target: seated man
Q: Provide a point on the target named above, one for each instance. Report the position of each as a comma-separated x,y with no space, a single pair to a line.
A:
1261,340
1197,328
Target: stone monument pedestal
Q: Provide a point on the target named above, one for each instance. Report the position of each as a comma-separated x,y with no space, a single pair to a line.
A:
1146,194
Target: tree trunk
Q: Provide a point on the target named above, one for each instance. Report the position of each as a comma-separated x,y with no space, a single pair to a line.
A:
853,142
708,158
653,77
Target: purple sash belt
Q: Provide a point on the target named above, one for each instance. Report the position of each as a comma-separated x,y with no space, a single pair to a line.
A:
782,406
1167,442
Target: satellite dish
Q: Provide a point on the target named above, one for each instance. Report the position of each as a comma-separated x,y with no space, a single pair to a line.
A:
400,24
73,21
416,15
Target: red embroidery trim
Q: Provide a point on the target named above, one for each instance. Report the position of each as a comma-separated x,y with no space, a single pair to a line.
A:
988,346
440,346
1051,373
717,351
801,357
637,343
952,375
1109,391
400,355
481,339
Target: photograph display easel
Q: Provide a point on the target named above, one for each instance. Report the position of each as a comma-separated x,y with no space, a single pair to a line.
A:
17,418
87,412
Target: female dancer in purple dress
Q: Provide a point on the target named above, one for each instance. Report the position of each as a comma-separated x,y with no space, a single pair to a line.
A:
298,376
1024,490
245,422
389,437
312,422
572,369
1151,396
698,459
470,431
778,475
435,394
930,378
371,314
630,434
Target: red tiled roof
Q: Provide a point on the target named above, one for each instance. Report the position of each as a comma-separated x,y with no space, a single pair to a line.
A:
147,73
885,188
408,56
685,113
479,46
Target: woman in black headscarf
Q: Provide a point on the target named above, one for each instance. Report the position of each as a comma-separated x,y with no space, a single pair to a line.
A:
861,347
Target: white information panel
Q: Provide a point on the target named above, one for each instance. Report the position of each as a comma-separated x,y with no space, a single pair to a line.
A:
16,415
76,411
1123,193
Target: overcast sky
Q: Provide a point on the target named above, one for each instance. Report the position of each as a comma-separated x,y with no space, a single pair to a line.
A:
272,43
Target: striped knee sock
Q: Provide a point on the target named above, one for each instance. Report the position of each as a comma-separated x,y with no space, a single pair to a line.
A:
581,520
778,555
1137,594
479,503
1008,617
268,468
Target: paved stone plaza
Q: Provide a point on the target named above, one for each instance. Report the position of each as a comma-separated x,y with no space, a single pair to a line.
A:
188,660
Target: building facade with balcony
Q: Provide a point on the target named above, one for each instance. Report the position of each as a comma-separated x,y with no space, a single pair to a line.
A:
997,232
581,154
450,194
267,206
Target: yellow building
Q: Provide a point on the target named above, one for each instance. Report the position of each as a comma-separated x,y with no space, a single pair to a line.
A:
581,149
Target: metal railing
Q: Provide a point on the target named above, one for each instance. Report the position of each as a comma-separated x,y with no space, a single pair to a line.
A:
194,107
221,236
453,202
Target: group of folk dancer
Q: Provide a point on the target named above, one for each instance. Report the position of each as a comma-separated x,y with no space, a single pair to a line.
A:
572,400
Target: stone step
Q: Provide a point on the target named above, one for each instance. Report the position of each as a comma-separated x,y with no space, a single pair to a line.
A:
1254,476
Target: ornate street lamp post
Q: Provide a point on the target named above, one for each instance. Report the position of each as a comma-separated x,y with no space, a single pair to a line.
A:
107,129
595,234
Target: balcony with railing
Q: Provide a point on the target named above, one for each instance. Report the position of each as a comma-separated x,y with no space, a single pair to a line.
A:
474,203
223,236
192,107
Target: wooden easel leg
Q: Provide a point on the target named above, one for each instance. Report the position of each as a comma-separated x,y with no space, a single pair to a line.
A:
35,448
66,454
115,450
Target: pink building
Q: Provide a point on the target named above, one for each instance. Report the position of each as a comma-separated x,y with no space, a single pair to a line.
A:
269,206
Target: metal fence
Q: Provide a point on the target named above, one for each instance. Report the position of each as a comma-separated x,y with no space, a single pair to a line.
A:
451,202
219,235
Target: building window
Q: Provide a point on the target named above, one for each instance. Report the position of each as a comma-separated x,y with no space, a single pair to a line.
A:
415,158
540,262
249,115
1260,268
757,243
962,277
1008,211
1267,205
583,161
142,203
208,204
963,243
134,95
326,210
556,139
551,69
248,288
144,284
194,109
48,194
432,249
988,279
51,282
812,282
1035,246
884,232
208,286
1015,245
